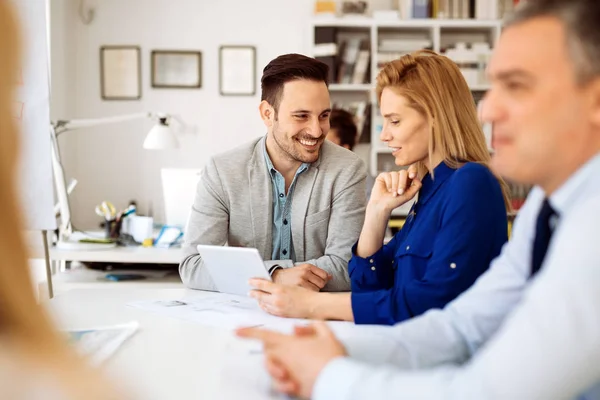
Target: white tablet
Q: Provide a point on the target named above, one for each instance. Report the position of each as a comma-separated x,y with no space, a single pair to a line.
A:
232,267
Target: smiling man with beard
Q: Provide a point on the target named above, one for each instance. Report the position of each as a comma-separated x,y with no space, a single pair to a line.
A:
295,197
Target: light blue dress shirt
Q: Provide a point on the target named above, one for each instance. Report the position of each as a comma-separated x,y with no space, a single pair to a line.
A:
283,248
510,336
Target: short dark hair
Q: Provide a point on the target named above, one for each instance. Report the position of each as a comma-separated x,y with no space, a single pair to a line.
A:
581,22
286,68
343,123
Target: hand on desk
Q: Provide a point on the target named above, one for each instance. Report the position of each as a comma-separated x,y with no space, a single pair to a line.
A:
295,361
304,275
283,300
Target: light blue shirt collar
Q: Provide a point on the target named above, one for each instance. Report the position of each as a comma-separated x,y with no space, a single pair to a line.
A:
562,199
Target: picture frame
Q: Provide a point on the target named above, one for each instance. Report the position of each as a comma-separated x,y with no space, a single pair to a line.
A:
120,73
176,69
237,70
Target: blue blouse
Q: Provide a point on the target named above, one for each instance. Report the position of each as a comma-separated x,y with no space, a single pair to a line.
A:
452,233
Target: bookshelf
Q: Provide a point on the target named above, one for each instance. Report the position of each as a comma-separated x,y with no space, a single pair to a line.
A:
338,40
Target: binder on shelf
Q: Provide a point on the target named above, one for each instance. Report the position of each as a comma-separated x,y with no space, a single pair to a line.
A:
406,9
443,9
421,8
361,68
346,68
465,10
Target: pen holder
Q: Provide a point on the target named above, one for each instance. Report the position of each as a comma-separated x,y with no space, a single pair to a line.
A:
111,229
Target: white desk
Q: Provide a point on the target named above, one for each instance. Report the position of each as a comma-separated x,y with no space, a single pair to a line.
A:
64,280
167,358
138,254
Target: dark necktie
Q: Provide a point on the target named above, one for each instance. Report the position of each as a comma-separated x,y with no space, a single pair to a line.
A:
543,233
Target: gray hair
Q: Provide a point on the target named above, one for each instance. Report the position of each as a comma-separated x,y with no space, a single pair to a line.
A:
581,20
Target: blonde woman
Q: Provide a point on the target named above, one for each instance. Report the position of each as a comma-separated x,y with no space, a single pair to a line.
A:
454,230
35,361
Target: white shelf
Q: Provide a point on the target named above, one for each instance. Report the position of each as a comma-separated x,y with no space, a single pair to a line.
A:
367,22
467,23
350,87
135,254
348,22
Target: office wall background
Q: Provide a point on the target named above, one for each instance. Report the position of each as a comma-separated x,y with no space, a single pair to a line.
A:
109,161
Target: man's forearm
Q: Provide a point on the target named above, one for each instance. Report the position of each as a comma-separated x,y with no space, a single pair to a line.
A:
194,275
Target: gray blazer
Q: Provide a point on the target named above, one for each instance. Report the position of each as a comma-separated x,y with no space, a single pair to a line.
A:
234,206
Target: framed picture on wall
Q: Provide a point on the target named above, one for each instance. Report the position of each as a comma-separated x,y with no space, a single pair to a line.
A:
237,70
120,73
176,69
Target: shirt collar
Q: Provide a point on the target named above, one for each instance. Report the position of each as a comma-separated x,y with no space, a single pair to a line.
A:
270,166
564,197
431,185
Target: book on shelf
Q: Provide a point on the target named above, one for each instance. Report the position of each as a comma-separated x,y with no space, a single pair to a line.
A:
403,45
392,49
361,67
455,9
323,7
352,48
325,50
421,9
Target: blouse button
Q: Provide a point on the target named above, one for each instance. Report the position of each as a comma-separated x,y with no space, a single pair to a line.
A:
453,265
373,268
407,247
371,261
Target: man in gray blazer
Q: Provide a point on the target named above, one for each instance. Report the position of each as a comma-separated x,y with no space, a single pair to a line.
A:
295,197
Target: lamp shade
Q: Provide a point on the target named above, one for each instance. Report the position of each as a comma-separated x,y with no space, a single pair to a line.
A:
161,137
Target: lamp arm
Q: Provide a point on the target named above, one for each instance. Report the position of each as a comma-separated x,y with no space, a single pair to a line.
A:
67,125
178,119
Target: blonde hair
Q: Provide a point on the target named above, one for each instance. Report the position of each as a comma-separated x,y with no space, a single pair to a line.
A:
24,325
434,86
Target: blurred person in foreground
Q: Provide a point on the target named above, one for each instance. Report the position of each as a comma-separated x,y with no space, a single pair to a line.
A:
35,359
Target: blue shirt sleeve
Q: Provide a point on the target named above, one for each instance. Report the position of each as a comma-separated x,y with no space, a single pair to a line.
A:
375,272
472,231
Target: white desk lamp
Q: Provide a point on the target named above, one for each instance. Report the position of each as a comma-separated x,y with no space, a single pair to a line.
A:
160,137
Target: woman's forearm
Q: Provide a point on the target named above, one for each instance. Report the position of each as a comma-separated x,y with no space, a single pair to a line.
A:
332,306
373,231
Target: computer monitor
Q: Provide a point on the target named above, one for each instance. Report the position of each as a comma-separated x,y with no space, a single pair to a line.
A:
179,189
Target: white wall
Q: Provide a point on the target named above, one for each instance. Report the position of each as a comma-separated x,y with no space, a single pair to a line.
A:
109,162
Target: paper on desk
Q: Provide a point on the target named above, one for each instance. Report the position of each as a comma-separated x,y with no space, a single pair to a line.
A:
243,376
220,310
232,311
100,343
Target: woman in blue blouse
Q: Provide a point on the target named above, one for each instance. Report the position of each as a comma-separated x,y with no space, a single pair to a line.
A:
453,231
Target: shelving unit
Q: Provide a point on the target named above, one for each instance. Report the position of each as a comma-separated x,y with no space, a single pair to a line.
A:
350,87
440,34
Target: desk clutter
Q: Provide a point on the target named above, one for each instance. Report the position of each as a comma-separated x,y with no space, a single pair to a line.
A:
127,228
